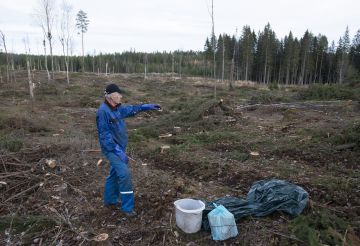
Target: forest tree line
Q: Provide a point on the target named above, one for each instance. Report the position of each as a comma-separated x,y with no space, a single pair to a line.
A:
260,57
266,59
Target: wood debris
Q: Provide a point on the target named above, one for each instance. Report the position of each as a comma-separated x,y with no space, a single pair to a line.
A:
99,162
165,135
254,153
163,148
51,163
101,237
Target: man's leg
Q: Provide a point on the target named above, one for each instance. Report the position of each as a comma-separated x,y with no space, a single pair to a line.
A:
111,194
124,183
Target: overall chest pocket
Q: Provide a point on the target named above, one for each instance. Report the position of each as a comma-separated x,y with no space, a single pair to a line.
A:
114,123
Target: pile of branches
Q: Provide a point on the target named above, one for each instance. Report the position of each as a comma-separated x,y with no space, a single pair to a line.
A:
37,195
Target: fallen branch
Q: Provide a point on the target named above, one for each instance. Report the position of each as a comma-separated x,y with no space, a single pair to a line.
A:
345,146
2,160
327,207
17,164
12,157
21,193
67,222
286,236
14,174
91,150
344,238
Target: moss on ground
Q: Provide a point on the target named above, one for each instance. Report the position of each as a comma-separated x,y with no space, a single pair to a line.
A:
319,227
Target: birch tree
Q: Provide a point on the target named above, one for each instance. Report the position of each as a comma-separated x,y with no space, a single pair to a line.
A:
45,57
28,66
331,63
66,33
145,66
343,50
45,17
3,39
213,43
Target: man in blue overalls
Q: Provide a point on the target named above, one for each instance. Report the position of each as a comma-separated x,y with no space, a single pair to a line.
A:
113,139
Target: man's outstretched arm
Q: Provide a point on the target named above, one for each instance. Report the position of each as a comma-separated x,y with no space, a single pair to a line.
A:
131,110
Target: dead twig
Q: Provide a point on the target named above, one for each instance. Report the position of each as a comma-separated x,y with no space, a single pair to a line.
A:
66,220
17,164
285,236
278,233
14,174
327,207
91,150
345,146
80,192
21,193
12,157
164,238
2,160
344,238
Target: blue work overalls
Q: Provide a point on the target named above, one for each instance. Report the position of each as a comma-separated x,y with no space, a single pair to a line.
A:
112,134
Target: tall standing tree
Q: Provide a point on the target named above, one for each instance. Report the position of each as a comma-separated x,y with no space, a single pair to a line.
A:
213,42
288,54
66,33
247,51
265,53
343,55
45,16
145,66
331,71
82,24
305,45
355,51
45,57
234,67
219,54
209,53
3,39
213,39
321,50
28,66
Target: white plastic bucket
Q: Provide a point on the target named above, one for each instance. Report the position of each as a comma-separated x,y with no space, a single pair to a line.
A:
188,213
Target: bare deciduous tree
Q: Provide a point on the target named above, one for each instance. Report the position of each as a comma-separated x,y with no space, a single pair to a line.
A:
213,43
223,60
145,66
28,66
45,18
46,63
2,36
66,33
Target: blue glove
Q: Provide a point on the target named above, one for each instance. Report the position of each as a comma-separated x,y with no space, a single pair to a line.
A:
120,153
145,107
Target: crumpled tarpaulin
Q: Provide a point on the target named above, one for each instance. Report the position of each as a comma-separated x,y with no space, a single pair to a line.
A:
264,198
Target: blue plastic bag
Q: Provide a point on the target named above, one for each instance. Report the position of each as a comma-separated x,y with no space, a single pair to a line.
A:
222,223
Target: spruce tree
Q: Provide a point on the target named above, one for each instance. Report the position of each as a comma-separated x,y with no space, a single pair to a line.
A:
355,51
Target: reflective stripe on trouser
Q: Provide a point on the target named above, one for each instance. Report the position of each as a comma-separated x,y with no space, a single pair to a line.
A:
119,183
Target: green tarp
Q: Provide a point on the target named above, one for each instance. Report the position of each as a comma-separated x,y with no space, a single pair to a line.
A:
264,198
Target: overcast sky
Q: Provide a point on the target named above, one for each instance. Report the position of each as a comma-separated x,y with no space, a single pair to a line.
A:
158,25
